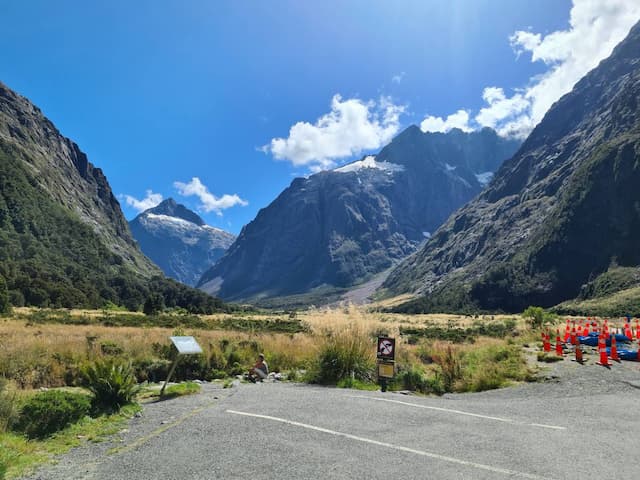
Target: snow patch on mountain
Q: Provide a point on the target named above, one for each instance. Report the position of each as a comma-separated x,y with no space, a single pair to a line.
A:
370,162
449,167
484,178
188,232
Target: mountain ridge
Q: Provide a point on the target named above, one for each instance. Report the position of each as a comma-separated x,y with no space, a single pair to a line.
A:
556,215
179,241
336,228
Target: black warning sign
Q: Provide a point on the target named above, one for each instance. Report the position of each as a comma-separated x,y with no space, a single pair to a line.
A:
386,348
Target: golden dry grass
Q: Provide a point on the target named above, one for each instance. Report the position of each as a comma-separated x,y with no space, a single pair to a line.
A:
38,354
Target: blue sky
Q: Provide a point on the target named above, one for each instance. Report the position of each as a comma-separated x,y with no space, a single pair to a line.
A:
219,104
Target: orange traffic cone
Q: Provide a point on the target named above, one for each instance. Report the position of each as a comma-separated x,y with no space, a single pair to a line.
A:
567,331
614,349
578,354
602,349
574,335
637,330
627,331
579,329
558,345
547,342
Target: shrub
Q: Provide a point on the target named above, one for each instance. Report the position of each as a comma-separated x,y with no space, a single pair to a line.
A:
451,370
112,382
49,412
109,347
343,355
8,411
537,316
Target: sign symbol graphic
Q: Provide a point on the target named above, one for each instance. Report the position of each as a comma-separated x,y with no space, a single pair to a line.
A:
386,348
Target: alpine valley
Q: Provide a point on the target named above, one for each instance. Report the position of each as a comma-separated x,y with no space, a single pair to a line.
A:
560,220
338,228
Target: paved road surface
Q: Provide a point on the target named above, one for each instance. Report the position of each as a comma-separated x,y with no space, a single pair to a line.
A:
585,426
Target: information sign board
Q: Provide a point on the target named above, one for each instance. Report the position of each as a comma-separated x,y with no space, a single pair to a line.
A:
186,345
385,370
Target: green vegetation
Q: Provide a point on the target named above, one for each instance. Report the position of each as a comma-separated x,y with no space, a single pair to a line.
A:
614,293
50,258
274,326
122,319
459,335
18,455
618,304
449,368
172,391
610,282
112,382
537,316
49,412
8,407
5,306
548,357
344,355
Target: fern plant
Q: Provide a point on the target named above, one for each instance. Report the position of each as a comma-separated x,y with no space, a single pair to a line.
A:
113,384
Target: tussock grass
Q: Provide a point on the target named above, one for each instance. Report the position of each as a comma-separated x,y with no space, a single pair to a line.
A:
50,355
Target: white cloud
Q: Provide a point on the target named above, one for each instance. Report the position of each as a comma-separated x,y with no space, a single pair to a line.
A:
397,79
595,28
209,202
460,120
150,201
351,127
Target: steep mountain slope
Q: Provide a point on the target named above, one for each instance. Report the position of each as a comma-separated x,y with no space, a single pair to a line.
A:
337,228
63,171
179,241
63,239
557,214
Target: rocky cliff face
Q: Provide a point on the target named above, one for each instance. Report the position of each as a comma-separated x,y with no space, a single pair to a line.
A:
337,228
557,214
64,242
62,169
179,241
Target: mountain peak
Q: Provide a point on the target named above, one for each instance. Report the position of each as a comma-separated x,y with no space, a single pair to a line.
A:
173,209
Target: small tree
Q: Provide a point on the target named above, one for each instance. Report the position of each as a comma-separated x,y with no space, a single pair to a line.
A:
153,304
5,306
535,316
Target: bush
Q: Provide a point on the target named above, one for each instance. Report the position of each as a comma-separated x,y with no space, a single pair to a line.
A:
49,412
344,355
113,384
8,411
537,316
109,347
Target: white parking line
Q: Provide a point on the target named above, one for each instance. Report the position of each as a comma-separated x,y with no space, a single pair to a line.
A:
423,453
459,412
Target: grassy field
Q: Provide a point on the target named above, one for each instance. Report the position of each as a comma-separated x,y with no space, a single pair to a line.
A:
435,354
45,348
